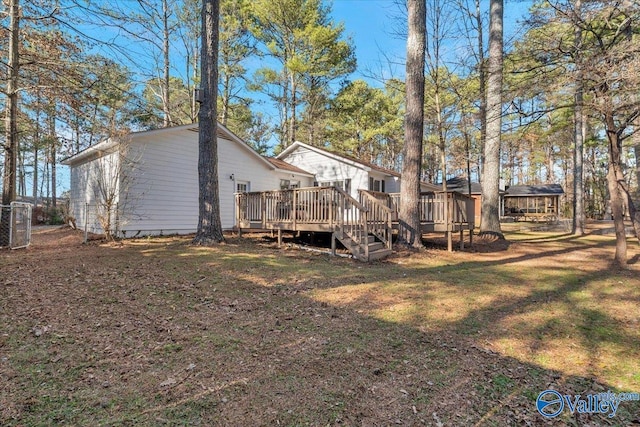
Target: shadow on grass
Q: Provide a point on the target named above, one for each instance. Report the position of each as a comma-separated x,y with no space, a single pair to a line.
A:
239,336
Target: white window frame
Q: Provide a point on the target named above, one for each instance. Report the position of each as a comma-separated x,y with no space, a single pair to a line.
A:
247,185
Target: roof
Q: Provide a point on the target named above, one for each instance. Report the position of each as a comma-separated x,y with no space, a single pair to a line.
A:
108,145
281,164
534,190
338,156
462,185
346,159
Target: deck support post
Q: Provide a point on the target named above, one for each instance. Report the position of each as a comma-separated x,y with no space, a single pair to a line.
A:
449,240
279,237
461,238
333,244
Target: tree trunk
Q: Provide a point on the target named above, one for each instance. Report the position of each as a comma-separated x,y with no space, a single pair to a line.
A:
11,120
209,224
21,174
35,169
482,108
616,199
166,92
294,101
54,175
410,232
579,134
226,96
490,222
636,151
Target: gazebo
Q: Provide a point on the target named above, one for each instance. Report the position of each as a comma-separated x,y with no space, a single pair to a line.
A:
533,202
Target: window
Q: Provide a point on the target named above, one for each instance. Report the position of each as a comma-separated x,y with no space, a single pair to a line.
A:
287,184
375,185
344,184
242,187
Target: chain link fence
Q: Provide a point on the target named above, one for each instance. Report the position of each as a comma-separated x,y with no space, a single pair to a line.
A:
95,218
15,225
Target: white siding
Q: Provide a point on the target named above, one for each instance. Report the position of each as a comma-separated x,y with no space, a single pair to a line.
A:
326,168
305,181
164,194
89,181
159,185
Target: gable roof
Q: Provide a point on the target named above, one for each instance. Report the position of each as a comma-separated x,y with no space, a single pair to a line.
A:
461,184
367,166
282,165
337,156
108,145
534,190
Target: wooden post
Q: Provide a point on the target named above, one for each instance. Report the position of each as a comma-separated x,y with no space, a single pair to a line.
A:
449,221
331,211
461,238
264,210
294,209
366,235
279,237
333,244
237,211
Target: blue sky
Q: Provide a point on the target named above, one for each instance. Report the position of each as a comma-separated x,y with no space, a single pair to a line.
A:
372,25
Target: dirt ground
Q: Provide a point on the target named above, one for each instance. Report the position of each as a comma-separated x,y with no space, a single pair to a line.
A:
158,332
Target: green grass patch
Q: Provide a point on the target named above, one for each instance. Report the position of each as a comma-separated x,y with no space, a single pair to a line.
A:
159,332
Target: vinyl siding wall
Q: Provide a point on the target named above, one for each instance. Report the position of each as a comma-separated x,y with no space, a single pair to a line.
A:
88,182
167,182
328,169
159,191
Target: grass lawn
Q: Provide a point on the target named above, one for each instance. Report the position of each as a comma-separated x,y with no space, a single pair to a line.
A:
158,332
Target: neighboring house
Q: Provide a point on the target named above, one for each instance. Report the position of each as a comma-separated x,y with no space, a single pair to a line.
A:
152,178
533,201
529,202
350,174
461,185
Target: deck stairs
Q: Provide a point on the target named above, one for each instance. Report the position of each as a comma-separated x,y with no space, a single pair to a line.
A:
364,249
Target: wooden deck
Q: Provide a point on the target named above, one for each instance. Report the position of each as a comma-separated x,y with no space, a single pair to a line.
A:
363,226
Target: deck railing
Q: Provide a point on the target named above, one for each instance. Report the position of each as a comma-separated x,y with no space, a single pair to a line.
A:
325,205
460,207
379,216
330,207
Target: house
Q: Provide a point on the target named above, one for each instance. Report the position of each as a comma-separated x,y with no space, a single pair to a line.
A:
333,169
527,202
533,201
148,181
461,185
355,201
